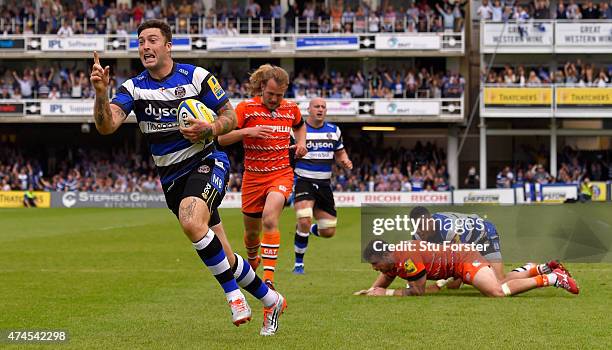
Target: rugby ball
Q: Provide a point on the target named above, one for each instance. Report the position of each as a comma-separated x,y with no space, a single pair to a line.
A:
192,108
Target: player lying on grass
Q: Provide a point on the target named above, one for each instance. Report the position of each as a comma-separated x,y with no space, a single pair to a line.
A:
467,228
460,228
434,262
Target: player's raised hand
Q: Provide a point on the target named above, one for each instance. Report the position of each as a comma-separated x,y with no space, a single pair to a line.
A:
198,130
260,131
100,77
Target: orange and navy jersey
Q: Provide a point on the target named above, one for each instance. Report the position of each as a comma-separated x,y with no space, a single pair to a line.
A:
264,155
436,263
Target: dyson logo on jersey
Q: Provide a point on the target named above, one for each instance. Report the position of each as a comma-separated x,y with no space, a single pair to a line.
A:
315,145
160,112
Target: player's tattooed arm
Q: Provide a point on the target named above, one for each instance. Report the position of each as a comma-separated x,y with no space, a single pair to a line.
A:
108,117
226,120
101,109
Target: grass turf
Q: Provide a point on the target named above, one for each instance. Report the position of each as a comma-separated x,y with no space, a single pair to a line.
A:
128,278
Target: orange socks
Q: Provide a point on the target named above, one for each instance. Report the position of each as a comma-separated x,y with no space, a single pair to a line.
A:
533,270
252,248
542,280
269,253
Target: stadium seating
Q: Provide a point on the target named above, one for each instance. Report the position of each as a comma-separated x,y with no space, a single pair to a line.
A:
91,17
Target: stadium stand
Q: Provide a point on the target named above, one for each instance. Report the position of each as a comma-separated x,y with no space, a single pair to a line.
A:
409,82
106,17
379,83
499,11
420,168
576,73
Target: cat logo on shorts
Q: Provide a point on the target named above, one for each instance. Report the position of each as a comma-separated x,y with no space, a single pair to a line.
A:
282,188
467,277
409,266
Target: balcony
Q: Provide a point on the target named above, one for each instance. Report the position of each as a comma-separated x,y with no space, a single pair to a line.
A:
546,36
546,101
339,110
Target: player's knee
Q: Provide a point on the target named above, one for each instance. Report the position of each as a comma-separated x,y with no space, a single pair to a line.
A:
269,223
327,233
327,224
251,233
194,230
304,225
495,292
304,214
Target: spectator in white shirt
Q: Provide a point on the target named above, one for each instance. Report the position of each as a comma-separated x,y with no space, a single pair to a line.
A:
602,79
26,84
485,11
373,23
254,8
54,94
497,10
65,30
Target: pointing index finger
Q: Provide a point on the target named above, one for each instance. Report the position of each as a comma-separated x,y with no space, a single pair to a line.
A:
96,58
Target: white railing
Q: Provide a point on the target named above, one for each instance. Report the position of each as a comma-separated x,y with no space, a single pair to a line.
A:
447,42
199,24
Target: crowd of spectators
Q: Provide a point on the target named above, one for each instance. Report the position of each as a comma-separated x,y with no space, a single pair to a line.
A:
574,167
501,11
380,168
379,83
108,17
422,168
51,83
377,168
80,170
570,73
66,83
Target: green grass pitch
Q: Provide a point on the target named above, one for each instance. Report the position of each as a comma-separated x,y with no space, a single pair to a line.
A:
129,279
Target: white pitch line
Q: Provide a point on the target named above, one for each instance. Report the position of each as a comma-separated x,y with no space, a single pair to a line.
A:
112,227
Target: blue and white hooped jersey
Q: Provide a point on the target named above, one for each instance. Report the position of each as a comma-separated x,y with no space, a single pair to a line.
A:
474,232
155,103
321,144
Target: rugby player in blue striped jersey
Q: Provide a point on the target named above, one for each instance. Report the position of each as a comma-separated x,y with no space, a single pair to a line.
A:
192,171
313,192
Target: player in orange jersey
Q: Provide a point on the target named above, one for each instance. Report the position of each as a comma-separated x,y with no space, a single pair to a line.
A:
264,126
421,261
